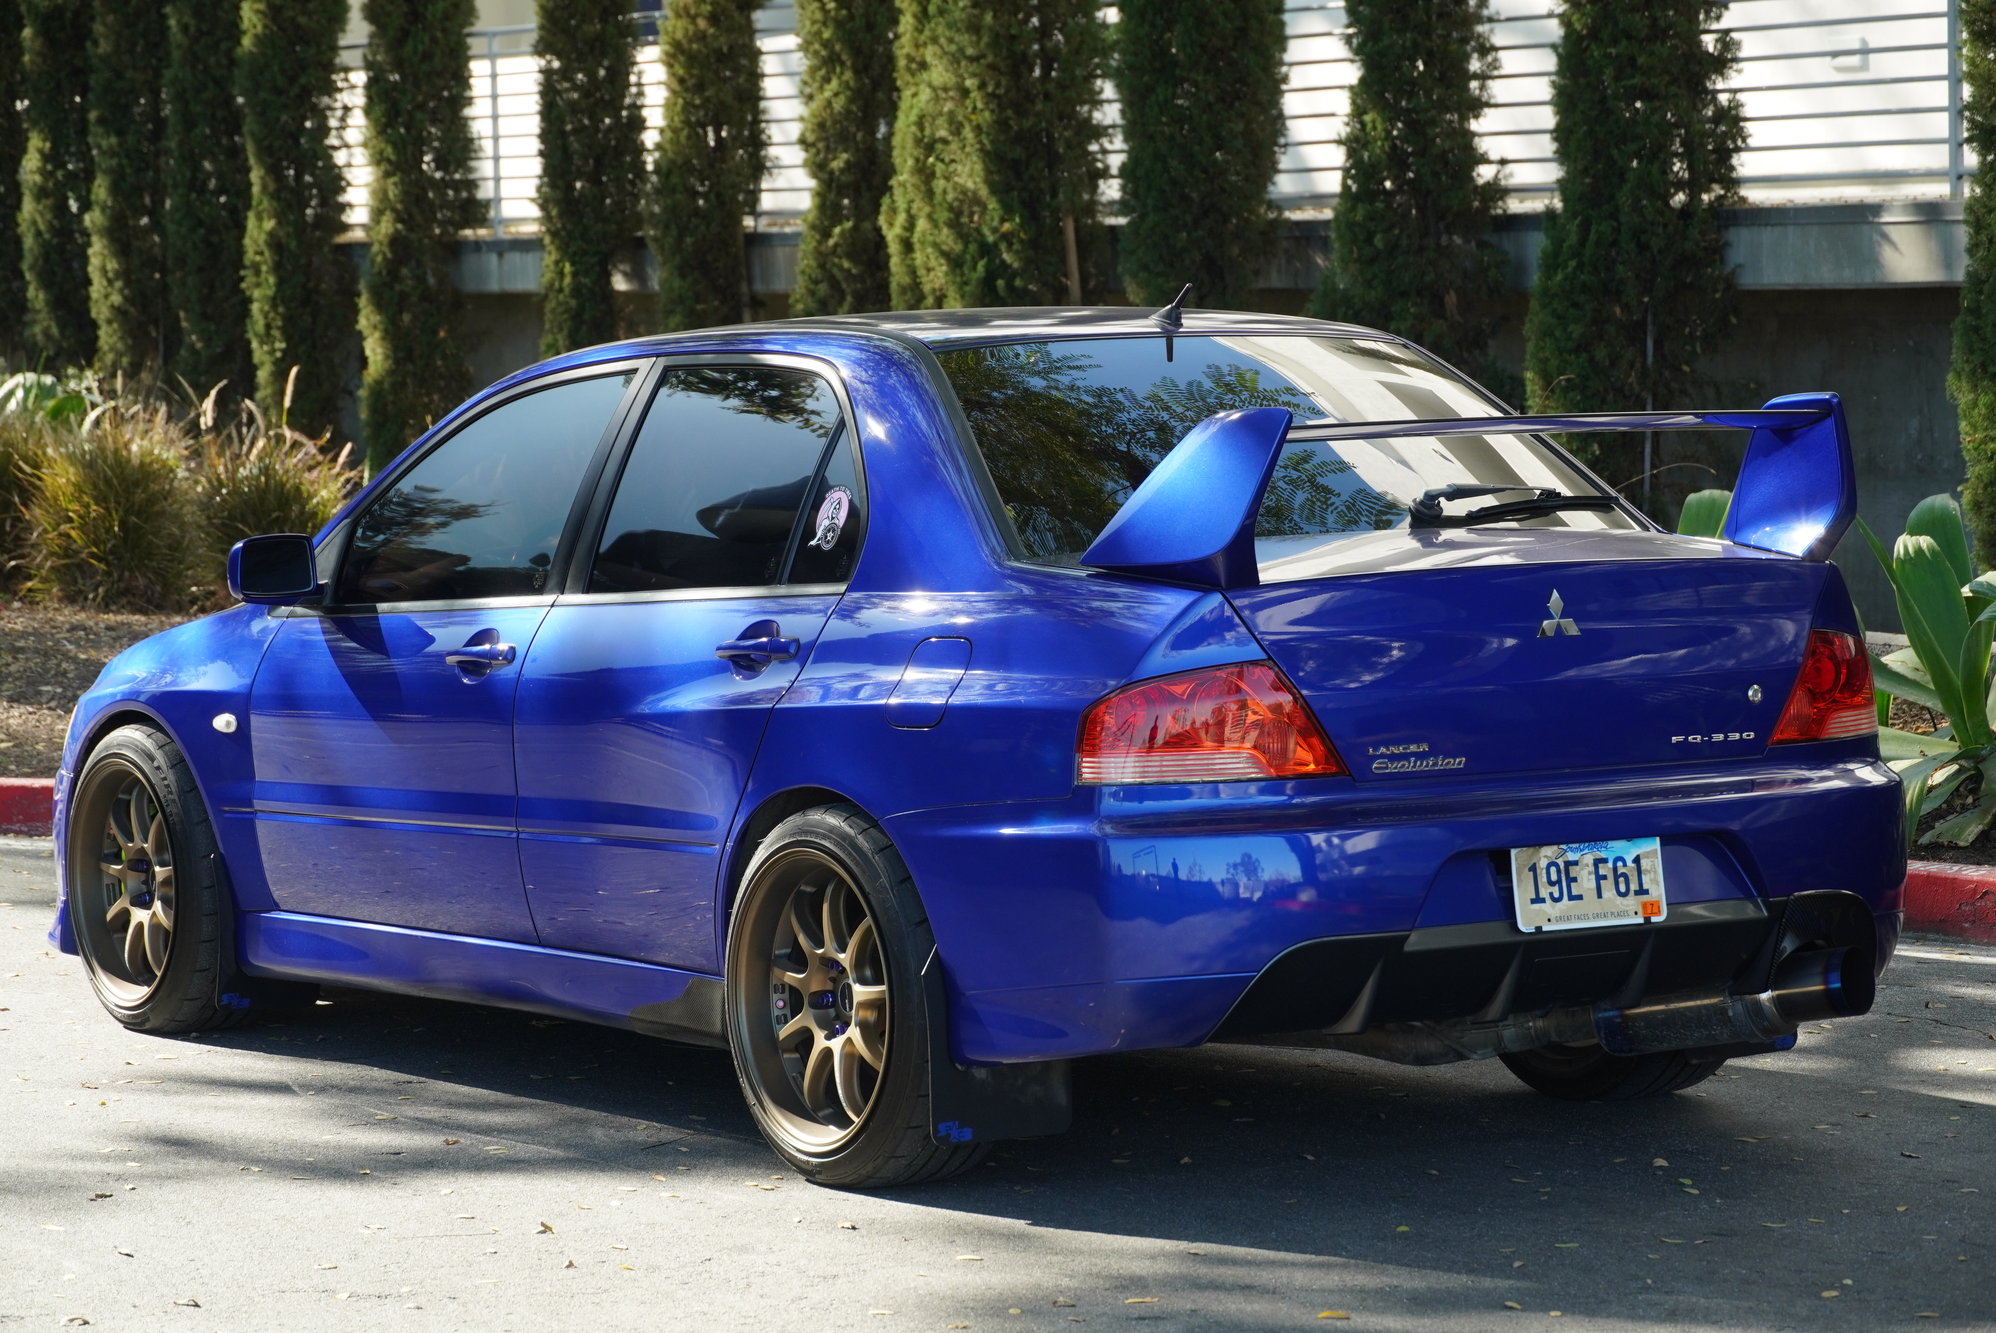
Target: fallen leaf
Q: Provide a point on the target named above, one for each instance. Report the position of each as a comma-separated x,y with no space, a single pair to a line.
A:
545,1230
1061,1302
1512,1305
1915,1156
1775,1225
1831,1294
1658,1161
190,1302
569,1264
452,1143
970,1258
127,1253
1403,1229
1132,1300
1566,1245
1332,1314
848,1226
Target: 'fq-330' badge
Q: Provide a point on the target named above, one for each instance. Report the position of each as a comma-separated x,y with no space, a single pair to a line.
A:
833,512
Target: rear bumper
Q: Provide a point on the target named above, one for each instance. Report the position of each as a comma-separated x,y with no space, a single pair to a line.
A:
1131,918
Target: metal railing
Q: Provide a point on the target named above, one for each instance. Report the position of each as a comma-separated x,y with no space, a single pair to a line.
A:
1864,103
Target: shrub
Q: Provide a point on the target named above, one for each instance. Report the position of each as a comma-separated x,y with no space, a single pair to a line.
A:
1201,88
254,477
847,137
710,156
1972,376
996,161
298,286
112,517
592,160
1411,249
420,147
25,441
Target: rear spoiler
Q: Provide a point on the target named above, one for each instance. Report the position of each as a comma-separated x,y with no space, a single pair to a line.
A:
1192,520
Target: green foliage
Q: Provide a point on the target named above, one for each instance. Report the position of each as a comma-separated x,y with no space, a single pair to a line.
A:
127,188
1633,285
592,158
298,286
847,137
1201,89
33,393
258,476
112,516
207,195
1411,250
419,144
25,441
12,293
55,182
1972,377
996,161
1704,513
710,159
1950,616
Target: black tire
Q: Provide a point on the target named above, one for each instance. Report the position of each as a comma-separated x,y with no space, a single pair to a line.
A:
1590,1074
145,890
868,1127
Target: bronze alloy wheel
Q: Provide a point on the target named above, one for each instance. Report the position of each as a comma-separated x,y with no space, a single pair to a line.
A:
814,1023
125,896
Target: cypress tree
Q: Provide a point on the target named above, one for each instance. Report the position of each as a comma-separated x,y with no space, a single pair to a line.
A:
298,286
1201,87
592,160
207,195
1410,240
1633,285
12,292
127,257
1972,377
847,138
55,182
418,82
996,169
710,159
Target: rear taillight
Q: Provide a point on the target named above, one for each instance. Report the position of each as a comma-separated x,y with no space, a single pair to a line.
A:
1219,724
1832,697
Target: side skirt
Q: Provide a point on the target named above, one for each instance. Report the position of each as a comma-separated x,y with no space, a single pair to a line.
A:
657,1001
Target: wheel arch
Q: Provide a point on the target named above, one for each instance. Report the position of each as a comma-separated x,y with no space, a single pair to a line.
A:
750,831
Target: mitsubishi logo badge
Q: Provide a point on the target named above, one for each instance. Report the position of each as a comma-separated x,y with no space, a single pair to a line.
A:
1556,621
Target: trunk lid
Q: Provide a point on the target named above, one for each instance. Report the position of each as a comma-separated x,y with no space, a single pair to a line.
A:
1490,651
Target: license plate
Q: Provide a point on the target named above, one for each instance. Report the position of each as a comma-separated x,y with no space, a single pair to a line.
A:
1580,884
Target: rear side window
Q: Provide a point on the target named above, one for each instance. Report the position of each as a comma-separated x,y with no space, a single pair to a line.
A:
729,463
1069,428
481,514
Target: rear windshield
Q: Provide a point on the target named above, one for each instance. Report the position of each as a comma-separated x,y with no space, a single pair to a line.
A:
1069,428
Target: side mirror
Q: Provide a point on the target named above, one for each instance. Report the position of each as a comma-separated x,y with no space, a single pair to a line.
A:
1797,489
277,570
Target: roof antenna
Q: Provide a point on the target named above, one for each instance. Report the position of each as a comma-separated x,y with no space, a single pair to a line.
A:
1172,318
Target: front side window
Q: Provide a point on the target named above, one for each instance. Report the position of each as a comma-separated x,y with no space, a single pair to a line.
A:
481,514
728,464
1069,428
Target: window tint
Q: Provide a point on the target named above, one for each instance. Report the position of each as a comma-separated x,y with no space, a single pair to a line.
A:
482,513
711,493
1069,429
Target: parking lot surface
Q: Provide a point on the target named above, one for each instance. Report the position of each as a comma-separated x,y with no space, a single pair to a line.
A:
386,1163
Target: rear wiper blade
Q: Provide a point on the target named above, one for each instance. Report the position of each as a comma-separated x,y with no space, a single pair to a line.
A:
1426,512
1541,504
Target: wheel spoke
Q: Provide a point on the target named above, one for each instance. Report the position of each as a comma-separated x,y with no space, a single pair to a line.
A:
159,843
818,1095
162,897
112,870
797,918
828,915
116,831
156,937
789,1031
135,815
867,1036
124,904
861,947
135,947
783,976
847,1061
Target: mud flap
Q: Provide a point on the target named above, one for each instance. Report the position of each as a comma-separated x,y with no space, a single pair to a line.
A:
985,1103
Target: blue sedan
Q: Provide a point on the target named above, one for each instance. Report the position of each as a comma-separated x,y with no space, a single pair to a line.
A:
913,704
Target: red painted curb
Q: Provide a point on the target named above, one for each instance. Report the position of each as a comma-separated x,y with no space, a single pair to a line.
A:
27,805
1959,900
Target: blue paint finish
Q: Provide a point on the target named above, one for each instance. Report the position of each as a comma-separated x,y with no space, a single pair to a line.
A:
292,946
633,744
1797,488
377,834
1192,518
384,774
933,672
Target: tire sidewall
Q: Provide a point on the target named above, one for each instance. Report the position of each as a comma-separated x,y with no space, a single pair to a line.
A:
195,954
905,946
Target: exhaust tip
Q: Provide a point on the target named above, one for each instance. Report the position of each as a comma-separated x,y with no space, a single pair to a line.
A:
1824,983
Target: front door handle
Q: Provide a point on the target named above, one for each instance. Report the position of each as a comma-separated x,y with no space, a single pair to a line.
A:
760,644
477,656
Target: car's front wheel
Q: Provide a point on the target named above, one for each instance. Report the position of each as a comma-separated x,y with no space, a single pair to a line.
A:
1590,1074
825,1013
145,892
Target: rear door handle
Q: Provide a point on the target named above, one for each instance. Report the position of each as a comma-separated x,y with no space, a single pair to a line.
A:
757,652
477,656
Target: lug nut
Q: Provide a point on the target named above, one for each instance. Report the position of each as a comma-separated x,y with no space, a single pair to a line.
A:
823,999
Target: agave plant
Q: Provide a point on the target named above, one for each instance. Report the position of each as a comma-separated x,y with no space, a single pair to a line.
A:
1949,613
1704,513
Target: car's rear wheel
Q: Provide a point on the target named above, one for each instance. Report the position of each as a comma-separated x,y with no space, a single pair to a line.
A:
1590,1074
144,887
825,1012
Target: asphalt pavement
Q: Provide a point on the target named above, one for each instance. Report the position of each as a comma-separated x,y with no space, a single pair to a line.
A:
381,1163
